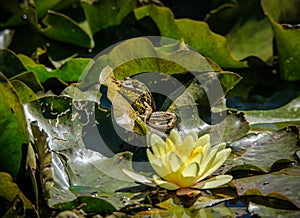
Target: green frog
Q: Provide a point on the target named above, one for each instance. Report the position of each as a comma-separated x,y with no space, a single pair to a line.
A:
141,100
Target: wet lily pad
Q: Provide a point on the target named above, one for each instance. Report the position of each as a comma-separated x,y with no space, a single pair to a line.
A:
264,211
260,151
283,185
273,119
70,172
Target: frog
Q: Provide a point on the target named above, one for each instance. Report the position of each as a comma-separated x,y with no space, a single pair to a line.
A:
141,100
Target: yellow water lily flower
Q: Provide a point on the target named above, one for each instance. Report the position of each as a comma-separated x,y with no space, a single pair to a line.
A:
184,163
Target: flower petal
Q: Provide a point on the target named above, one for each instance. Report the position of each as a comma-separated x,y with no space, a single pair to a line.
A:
191,170
169,145
164,184
139,178
175,162
188,143
203,140
219,160
155,139
175,137
214,182
154,159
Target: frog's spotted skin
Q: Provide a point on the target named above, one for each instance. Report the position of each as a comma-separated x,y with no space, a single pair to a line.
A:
141,100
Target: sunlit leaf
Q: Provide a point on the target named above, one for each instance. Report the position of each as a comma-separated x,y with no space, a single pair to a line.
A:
287,43
194,33
252,33
13,134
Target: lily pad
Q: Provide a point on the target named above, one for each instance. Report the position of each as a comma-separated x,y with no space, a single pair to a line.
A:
261,151
287,41
12,124
103,14
10,65
70,172
252,33
286,115
195,33
264,211
283,185
71,71
9,190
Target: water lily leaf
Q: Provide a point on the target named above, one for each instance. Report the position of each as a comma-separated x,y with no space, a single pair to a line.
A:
264,211
56,26
71,71
12,124
70,170
264,149
24,92
285,115
236,127
283,185
279,14
43,6
252,33
10,65
30,80
62,28
88,204
223,18
103,14
194,33
9,190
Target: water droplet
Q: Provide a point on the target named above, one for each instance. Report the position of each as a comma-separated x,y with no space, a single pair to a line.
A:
90,50
24,16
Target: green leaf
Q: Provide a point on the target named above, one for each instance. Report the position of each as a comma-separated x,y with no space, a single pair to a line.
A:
103,14
252,33
283,185
9,190
287,40
81,174
264,211
57,26
13,128
30,80
275,119
71,71
24,92
195,33
62,28
10,65
261,151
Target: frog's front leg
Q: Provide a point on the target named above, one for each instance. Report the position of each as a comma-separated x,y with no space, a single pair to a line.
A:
148,111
